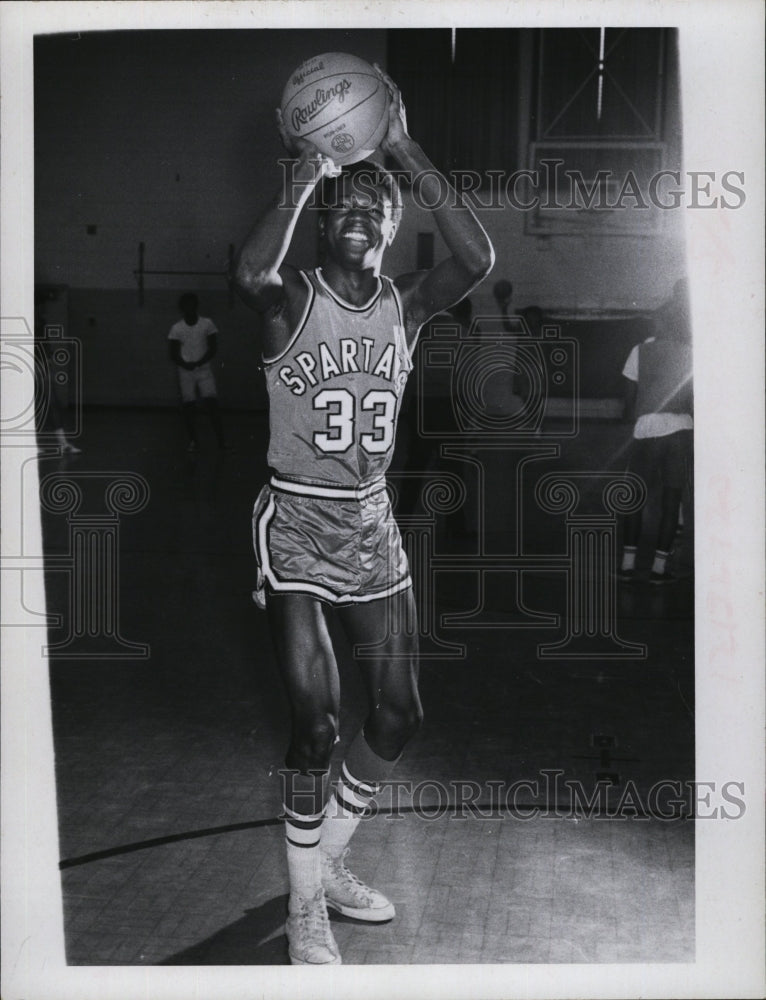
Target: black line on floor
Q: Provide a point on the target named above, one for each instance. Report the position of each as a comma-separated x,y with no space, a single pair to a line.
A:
428,813
172,838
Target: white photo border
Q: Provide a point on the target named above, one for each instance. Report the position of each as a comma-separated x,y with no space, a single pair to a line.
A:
721,54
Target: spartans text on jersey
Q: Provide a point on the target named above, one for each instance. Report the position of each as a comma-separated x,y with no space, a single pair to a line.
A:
350,356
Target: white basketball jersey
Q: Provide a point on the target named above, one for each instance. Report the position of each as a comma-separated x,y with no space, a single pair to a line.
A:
336,390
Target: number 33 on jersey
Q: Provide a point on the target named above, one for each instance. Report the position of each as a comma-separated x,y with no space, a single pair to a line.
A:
336,390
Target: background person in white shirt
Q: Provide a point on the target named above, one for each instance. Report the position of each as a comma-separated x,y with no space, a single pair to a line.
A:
659,398
193,344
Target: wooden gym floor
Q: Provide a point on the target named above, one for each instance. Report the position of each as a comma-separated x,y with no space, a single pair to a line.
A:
166,761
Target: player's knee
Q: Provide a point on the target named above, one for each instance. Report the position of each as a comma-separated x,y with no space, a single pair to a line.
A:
312,743
400,721
414,719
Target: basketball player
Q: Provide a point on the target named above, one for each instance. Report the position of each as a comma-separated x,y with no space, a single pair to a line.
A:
337,344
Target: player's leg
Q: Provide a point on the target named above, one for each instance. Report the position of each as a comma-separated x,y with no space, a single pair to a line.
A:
307,663
672,464
186,385
631,535
55,417
388,630
385,633
632,523
209,396
670,506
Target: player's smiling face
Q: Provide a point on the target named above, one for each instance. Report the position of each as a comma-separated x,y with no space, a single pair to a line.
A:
358,225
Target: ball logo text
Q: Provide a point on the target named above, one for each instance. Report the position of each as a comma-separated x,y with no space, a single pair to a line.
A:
305,114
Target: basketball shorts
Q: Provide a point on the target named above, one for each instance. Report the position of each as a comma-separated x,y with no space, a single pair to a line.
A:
197,381
340,545
667,458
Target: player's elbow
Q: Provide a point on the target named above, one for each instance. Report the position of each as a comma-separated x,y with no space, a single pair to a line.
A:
257,286
488,260
249,277
482,259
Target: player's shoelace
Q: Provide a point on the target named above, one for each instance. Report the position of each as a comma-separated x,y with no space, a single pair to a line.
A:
350,896
308,931
341,882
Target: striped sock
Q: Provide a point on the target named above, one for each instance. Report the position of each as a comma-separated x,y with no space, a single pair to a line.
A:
348,803
303,861
353,795
303,796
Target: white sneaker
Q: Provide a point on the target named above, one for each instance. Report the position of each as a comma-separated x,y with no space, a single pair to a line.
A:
310,940
348,895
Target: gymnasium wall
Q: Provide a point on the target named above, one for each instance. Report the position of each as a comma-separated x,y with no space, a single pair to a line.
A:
166,139
169,139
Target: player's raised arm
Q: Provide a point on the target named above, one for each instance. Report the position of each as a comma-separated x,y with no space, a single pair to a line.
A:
471,253
259,276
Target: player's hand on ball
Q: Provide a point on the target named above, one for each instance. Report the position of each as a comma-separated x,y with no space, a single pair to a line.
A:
292,143
397,116
303,148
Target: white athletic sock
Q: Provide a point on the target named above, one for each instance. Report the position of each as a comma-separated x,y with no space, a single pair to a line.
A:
660,560
303,861
304,797
360,777
628,557
348,803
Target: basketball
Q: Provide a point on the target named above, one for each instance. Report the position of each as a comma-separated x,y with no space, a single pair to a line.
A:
338,102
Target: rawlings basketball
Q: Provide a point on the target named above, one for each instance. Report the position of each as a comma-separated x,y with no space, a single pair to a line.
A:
338,102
